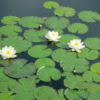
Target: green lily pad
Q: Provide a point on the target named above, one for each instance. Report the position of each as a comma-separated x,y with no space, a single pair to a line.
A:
58,54
89,16
67,74
18,69
95,95
39,51
7,96
17,42
44,62
24,96
59,31
46,93
90,76
10,20
31,36
71,53
50,4
67,11
31,21
66,38
76,95
10,30
78,27
45,73
55,23
93,43
92,55
70,62
75,82
95,67
24,85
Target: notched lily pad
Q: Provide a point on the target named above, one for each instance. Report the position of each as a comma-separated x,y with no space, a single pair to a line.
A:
67,11
50,4
18,69
89,16
10,30
55,23
11,20
31,21
78,27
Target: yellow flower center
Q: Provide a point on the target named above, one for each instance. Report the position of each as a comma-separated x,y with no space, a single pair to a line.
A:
75,44
53,34
8,52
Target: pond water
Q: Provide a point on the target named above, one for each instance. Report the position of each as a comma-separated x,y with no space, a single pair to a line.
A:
23,8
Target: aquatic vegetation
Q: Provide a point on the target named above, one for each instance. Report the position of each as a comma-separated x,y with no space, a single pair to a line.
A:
56,56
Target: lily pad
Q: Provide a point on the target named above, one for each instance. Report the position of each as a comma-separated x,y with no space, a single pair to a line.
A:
39,51
75,82
90,76
50,4
70,62
10,20
17,42
44,62
23,85
67,11
58,54
31,21
92,55
18,69
65,38
76,94
59,31
93,43
78,27
55,23
10,30
31,36
7,96
67,74
89,16
45,73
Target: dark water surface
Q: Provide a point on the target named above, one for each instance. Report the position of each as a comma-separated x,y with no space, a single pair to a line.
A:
22,8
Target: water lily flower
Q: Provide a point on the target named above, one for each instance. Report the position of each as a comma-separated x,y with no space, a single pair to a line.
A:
76,45
52,36
8,52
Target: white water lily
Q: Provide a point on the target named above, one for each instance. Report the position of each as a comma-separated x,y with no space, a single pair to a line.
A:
76,45
52,36
8,52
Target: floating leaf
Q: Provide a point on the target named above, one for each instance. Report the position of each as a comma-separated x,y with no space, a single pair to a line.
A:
93,43
76,95
24,85
90,76
58,54
71,53
67,11
75,82
16,42
78,27
92,55
31,22
94,96
10,30
59,31
54,23
46,93
67,74
50,4
31,36
89,16
44,62
7,96
18,69
65,38
95,67
45,73
70,62
10,20
39,51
